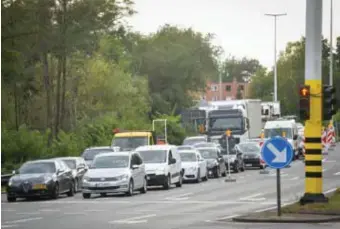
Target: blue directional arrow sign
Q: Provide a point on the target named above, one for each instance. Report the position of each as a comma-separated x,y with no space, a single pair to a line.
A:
277,152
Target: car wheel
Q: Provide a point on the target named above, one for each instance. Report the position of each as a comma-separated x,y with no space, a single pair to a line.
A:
130,189
71,191
167,182
144,189
180,182
217,172
103,194
237,168
11,198
76,185
199,179
243,168
86,195
206,176
55,193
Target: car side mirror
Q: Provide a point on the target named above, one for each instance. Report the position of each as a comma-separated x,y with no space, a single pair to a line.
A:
135,166
173,161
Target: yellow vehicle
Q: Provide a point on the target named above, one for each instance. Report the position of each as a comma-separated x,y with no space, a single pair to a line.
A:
130,140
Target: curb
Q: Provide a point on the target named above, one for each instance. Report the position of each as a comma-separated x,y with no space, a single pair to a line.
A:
278,220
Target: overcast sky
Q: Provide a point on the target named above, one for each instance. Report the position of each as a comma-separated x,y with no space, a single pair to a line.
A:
239,25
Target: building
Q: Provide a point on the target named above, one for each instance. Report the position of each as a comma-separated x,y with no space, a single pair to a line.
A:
229,90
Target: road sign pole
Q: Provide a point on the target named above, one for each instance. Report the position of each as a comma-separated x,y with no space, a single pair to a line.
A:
313,57
278,190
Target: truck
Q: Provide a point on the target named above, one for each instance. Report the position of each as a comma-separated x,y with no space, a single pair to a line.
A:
270,111
242,117
127,140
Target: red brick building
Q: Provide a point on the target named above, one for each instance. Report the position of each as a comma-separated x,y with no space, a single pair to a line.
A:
229,90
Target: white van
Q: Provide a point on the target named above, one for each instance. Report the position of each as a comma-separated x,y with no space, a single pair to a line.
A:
162,164
283,128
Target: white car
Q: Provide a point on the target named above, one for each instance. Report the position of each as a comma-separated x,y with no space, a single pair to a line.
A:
119,172
163,165
195,167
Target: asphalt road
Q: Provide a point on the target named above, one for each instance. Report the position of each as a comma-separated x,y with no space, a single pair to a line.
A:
197,206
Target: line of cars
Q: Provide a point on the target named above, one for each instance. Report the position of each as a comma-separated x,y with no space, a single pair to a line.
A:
102,170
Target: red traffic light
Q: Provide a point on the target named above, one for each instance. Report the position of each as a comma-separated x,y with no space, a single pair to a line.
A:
304,90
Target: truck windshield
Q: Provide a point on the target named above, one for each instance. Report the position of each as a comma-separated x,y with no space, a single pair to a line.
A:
232,123
127,143
268,133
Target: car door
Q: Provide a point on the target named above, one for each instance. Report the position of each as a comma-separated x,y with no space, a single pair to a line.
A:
141,170
135,171
61,176
81,168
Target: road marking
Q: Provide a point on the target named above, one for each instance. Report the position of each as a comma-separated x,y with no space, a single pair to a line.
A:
8,210
22,220
274,207
330,190
227,217
324,170
8,226
133,220
75,213
28,213
49,210
180,197
252,197
337,174
294,178
330,161
94,210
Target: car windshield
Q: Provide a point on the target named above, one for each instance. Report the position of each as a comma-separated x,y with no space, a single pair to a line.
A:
111,162
70,163
226,123
283,132
188,157
184,147
205,144
208,153
249,147
153,156
130,142
89,154
37,167
192,141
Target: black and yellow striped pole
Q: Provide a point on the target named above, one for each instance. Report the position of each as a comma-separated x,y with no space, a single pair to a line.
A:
313,156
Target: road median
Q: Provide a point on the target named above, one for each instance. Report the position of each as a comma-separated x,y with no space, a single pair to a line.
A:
296,213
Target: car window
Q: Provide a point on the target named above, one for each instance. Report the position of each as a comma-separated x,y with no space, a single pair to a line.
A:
139,160
134,160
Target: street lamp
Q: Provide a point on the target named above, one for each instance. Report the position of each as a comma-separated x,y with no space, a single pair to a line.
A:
275,67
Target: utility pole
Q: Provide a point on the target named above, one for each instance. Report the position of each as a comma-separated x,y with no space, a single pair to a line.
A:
220,86
331,47
275,53
313,67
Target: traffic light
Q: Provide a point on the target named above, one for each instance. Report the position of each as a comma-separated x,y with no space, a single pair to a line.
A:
304,93
329,102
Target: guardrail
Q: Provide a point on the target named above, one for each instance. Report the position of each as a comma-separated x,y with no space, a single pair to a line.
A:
5,178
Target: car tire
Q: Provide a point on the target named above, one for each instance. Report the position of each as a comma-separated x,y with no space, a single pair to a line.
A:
86,195
217,172
206,176
11,199
130,188
199,179
71,191
103,194
180,182
243,168
55,193
237,168
167,182
76,185
144,189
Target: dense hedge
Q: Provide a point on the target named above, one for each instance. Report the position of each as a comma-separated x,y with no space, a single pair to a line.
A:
25,144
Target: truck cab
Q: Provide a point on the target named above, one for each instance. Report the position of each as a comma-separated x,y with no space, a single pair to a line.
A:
130,140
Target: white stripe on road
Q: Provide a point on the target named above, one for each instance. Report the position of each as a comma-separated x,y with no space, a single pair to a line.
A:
337,174
252,197
294,178
324,170
8,210
183,196
133,220
22,220
329,191
8,226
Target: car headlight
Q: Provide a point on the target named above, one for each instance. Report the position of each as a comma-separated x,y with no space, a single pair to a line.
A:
10,182
86,179
123,177
160,170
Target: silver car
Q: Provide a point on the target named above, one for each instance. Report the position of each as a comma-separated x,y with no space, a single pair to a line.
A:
78,167
91,152
119,172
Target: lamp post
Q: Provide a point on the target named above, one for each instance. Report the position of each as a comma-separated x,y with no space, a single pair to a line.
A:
275,66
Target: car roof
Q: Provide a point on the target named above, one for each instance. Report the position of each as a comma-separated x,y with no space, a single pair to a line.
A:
43,160
155,147
99,147
123,153
68,158
188,151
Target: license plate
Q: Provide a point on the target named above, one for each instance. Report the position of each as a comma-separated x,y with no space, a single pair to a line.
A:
39,186
249,164
103,184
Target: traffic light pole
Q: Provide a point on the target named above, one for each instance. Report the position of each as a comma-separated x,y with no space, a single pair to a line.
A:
313,156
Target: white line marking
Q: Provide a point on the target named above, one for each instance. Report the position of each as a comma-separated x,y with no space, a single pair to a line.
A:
75,213
8,226
329,191
284,175
251,197
324,170
94,210
22,220
330,161
138,219
294,178
49,210
8,210
274,207
180,197
337,174
227,217
28,213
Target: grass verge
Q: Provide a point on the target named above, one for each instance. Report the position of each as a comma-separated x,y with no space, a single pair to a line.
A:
332,207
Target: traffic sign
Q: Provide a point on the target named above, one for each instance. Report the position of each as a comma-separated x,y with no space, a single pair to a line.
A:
277,152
